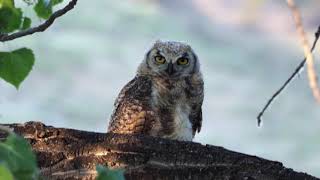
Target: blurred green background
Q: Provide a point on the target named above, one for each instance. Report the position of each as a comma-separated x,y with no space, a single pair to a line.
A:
247,49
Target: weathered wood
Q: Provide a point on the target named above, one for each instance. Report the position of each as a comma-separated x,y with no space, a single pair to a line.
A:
73,154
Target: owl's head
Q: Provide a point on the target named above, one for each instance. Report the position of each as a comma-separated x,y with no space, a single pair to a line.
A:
169,59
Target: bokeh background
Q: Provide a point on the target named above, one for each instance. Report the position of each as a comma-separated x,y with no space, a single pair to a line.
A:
247,49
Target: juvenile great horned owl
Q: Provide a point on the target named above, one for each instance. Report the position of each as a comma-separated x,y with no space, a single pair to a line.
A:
165,97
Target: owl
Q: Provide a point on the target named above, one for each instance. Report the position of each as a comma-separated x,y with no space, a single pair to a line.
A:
164,99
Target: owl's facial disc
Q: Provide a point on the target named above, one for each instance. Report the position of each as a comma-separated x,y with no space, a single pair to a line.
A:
170,59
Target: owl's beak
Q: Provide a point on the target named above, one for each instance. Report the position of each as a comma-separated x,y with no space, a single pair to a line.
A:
170,69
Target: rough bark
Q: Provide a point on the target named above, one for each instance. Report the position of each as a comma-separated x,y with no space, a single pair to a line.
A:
73,154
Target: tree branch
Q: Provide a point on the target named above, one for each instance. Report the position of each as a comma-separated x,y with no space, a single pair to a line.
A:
42,27
294,74
313,80
73,154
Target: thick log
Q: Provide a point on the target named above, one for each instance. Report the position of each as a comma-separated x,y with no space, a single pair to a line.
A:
73,154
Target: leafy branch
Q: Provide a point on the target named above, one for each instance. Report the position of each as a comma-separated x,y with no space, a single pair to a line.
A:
17,64
40,28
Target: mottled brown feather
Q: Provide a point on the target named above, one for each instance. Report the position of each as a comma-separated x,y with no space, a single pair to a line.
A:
132,113
196,95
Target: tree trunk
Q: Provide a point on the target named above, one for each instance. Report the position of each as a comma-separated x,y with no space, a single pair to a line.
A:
73,154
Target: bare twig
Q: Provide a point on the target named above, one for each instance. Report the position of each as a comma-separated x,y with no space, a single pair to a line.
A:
306,48
309,59
42,27
296,71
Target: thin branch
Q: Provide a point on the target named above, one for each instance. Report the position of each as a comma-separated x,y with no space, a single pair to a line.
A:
309,59
42,27
313,80
296,71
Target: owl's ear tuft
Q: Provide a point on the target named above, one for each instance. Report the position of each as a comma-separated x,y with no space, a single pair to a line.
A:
189,48
158,41
157,44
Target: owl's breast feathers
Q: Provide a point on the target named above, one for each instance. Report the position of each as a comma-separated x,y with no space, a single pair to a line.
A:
159,107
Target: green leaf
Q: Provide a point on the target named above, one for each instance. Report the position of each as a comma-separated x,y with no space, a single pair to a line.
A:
107,174
26,23
43,9
16,153
7,3
5,173
55,2
10,19
16,65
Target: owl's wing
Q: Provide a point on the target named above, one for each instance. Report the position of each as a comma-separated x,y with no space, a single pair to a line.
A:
132,113
196,118
196,93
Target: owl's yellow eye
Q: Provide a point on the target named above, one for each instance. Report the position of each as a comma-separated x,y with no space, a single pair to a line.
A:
160,59
183,61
